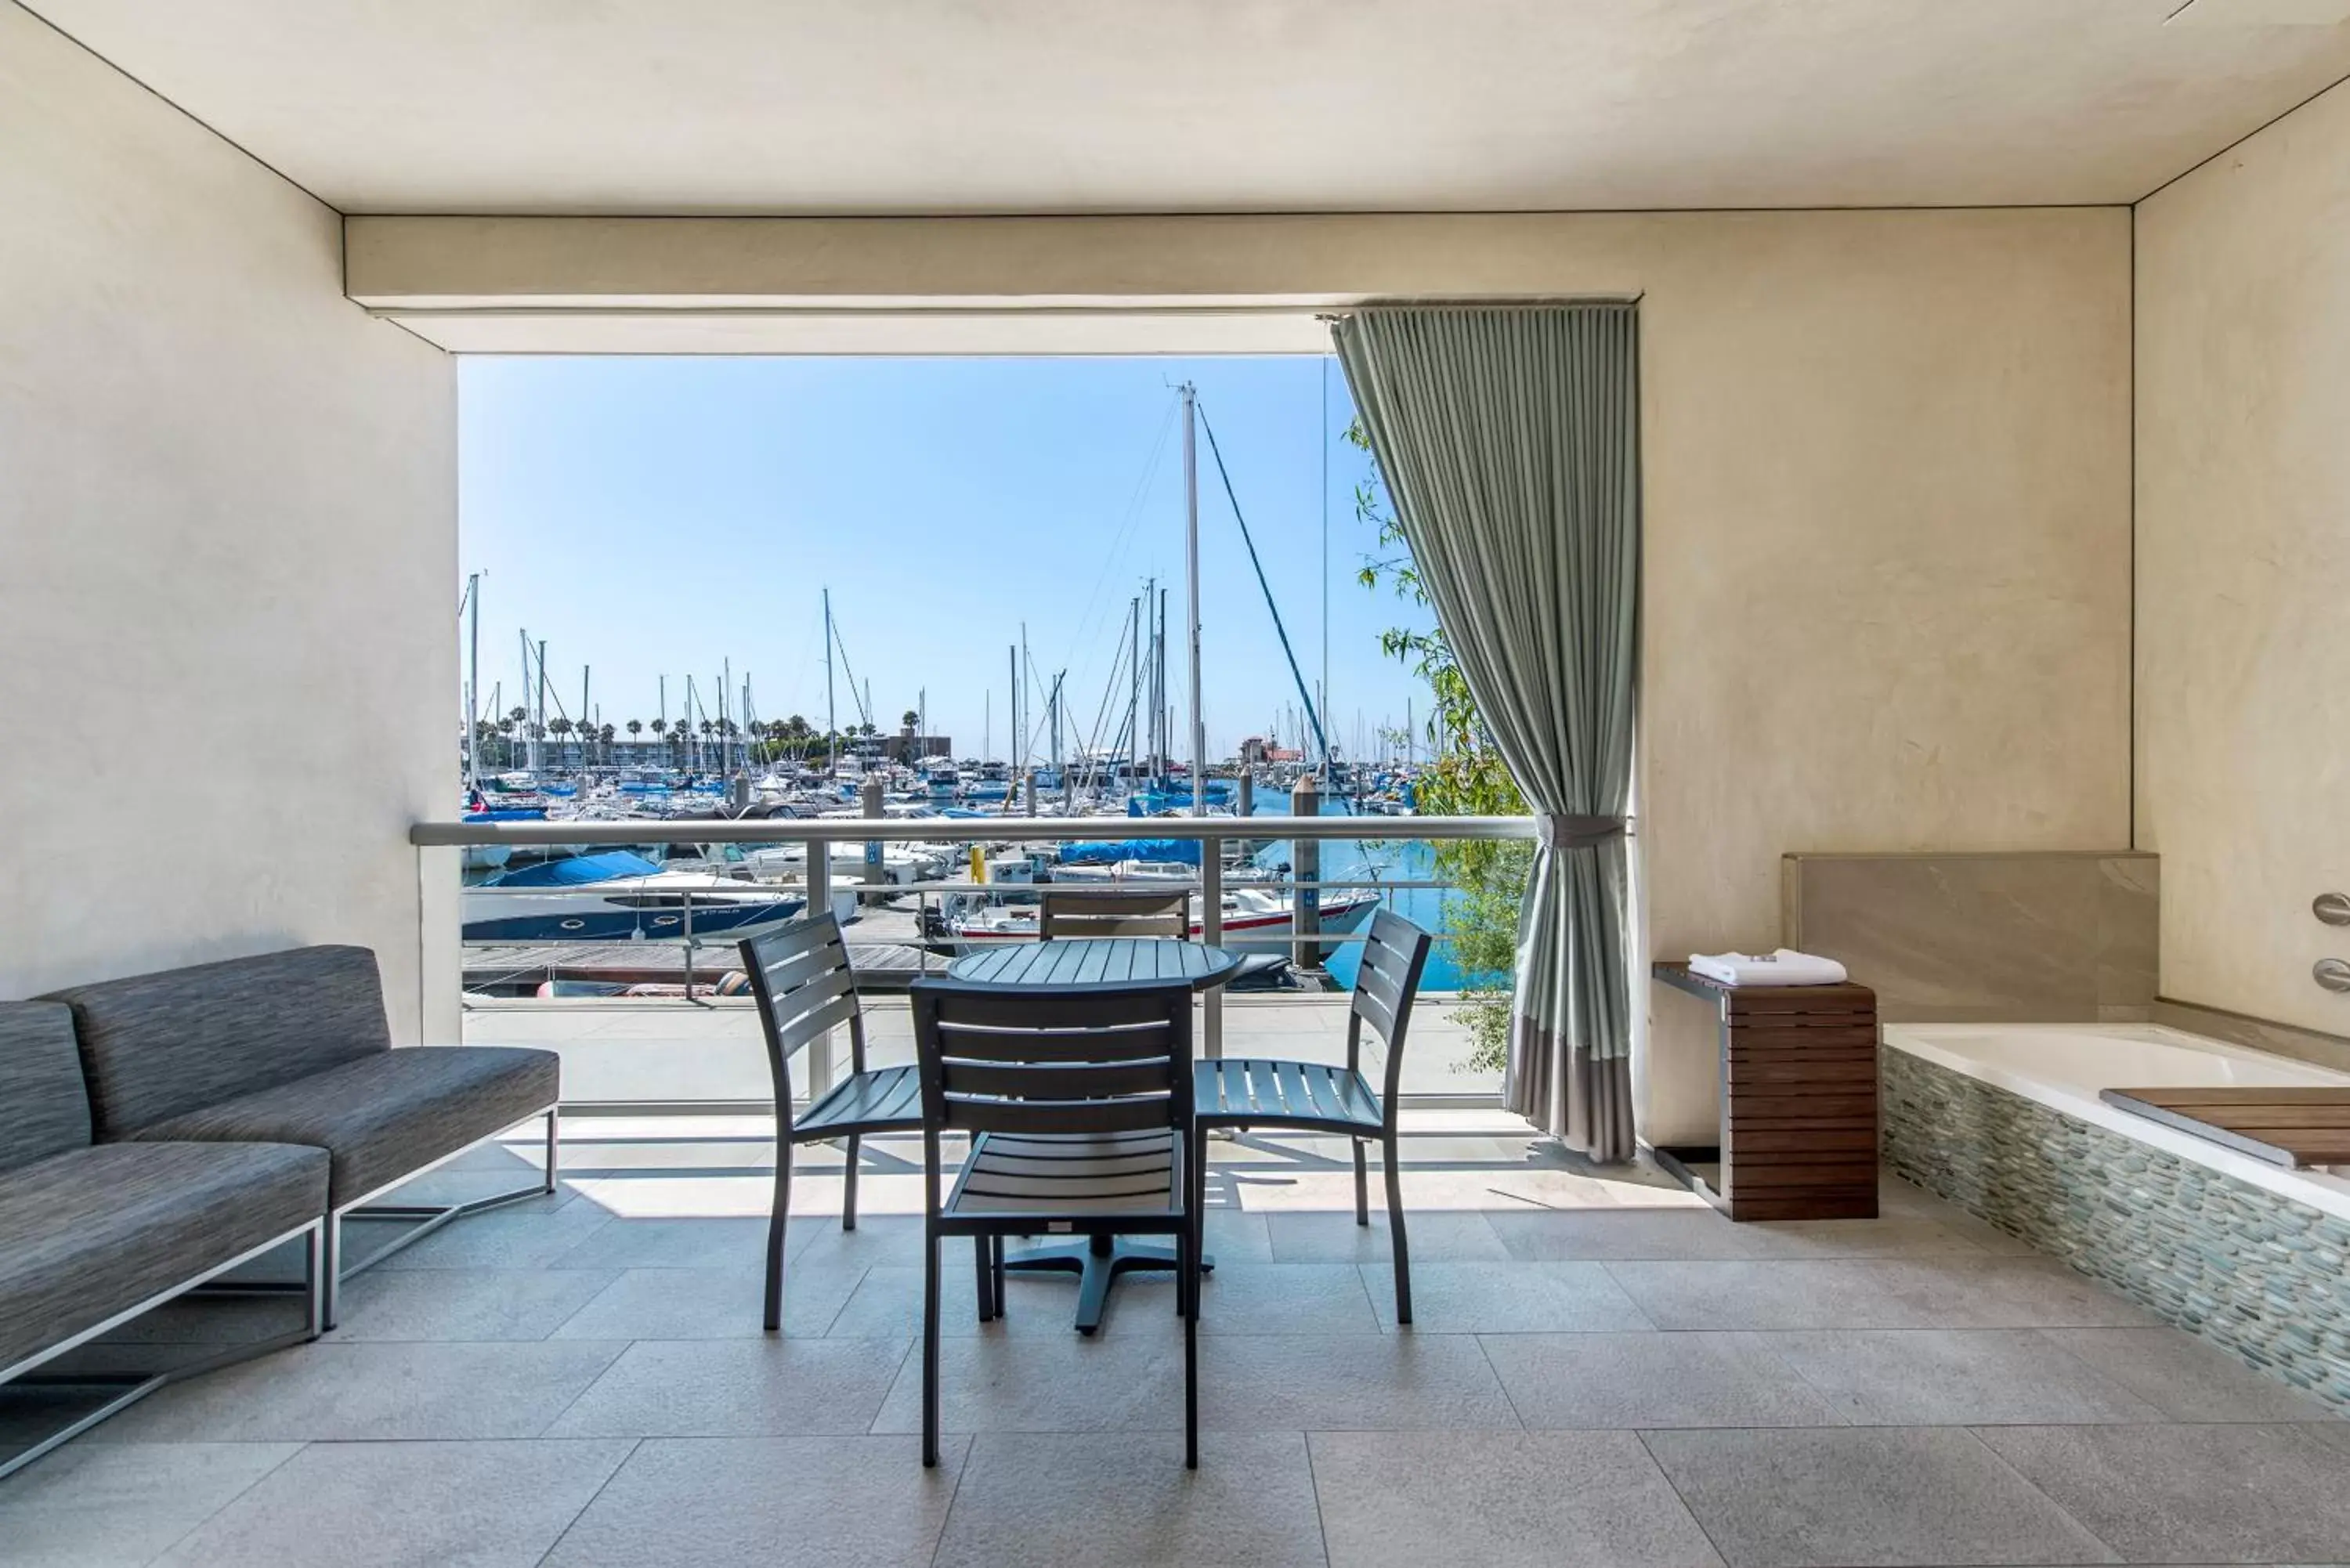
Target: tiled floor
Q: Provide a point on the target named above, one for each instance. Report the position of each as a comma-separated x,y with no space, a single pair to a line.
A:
1600,1372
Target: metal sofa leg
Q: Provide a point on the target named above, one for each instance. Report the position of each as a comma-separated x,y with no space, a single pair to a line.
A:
554,1159
326,1298
318,1276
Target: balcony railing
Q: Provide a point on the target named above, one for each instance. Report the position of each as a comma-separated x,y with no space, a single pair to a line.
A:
702,958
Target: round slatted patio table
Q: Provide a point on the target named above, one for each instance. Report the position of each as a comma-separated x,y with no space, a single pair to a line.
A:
1074,965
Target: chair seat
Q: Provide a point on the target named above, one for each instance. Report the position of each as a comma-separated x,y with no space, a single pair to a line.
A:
1068,1174
91,1232
386,1116
1259,1091
888,1100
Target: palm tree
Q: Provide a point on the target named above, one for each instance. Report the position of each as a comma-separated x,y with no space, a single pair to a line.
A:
559,729
910,719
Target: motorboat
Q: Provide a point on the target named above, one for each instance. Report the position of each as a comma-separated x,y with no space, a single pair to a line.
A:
619,896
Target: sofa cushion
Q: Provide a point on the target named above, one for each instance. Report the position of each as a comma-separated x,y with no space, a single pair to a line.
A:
159,1045
96,1230
384,1117
44,1106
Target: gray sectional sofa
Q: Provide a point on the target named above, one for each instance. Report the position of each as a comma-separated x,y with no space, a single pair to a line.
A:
160,1130
92,1234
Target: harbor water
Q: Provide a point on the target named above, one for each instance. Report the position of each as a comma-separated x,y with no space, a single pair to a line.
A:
1376,859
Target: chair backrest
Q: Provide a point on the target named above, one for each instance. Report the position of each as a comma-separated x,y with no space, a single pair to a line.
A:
1112,1059
44,1103
154,1046
1395,954
1090,912
799,973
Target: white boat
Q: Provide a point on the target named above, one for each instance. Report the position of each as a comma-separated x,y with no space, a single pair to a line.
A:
1258,914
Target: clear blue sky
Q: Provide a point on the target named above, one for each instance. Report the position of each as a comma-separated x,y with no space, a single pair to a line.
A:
652,516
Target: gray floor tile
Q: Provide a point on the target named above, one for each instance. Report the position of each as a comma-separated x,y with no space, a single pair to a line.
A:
757,1502
1600,1234
463,1304
1499,1500
1506,1298
1050,1383
1792,1498
879,1241
1948,1291
2186,1378
406,1505
2198,1493
525,1236
1281,1298
1061,1500
736,1387
1956,1377
710,1303
1349,1383
728,1243
1648,1380
116,1505
1234,1237
1331,1236
348,1393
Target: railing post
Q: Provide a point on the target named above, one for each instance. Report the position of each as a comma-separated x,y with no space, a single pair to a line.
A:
819,877
1305,876
689,944
1211,932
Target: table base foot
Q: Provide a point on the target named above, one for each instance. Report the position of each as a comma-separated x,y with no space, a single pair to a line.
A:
1096,1262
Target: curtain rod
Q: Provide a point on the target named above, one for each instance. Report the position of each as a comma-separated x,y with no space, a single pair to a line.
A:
1515,302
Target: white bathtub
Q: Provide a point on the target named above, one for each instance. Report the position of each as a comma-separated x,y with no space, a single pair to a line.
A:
2063,1066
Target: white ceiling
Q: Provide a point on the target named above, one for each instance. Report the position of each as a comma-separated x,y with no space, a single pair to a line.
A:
1081,106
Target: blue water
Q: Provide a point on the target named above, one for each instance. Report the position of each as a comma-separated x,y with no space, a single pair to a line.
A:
1365,861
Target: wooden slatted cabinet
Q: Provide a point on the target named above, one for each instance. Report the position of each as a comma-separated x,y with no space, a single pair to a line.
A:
1798,1101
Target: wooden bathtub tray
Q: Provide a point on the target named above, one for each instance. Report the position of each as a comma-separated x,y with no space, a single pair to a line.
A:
2288,1127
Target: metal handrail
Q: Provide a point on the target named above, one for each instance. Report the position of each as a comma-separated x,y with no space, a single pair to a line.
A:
931,829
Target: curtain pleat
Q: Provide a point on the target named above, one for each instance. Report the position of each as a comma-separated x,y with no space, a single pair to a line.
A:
1509,440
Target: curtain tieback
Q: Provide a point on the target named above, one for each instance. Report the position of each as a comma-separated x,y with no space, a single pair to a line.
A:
1558,830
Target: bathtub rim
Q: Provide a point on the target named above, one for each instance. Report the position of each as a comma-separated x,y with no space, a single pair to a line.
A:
1930,1043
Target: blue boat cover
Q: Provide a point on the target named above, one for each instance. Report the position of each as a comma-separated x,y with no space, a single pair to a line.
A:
509,813
609,866
1165,851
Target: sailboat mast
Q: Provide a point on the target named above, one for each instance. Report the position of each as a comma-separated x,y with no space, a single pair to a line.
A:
1133,688
473,683
1191,573
831,720
539,728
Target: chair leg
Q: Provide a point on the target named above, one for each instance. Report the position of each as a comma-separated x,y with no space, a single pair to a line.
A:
984,1267
1395,1228
930,1350
1188,1267
775,1217
848,1184
995,1266
1362,1186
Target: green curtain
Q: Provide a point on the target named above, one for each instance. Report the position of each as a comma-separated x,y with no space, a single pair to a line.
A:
1509,439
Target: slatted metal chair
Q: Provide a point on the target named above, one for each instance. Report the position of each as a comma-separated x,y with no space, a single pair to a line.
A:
800,975
1242,1092
1088,912
1079,1112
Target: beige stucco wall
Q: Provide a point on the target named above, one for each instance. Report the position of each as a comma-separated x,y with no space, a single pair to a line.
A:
1886,462
2243,565
227,552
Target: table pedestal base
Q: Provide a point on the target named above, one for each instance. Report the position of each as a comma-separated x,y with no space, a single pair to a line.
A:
1097,1262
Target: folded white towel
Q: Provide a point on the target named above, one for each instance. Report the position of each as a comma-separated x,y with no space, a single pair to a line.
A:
1784,967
